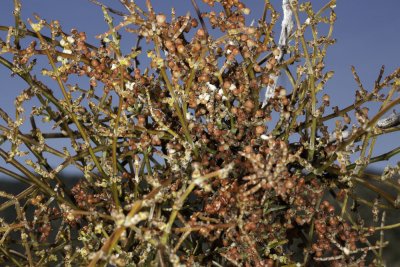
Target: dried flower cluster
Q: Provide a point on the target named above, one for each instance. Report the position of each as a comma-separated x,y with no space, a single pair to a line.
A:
182,164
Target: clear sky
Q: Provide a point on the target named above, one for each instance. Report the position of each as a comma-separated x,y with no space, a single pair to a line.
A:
366,32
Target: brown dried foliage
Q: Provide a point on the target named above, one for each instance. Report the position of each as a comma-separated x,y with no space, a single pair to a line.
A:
180,163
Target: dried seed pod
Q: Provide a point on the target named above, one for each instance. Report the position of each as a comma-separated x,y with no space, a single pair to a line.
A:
180,48
160,18
346,118
260,130
201,33
326,99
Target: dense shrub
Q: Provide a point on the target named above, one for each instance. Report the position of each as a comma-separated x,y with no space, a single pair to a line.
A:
181,161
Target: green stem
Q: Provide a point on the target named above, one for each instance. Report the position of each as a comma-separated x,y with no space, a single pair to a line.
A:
196,180
34,180
311,86
359,133
71,113
178,109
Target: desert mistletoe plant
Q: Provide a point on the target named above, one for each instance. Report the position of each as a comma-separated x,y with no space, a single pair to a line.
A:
183,164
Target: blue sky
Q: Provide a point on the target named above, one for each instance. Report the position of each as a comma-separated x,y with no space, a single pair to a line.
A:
366,32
